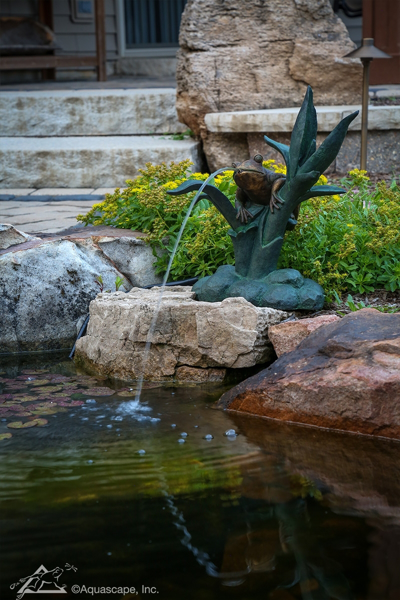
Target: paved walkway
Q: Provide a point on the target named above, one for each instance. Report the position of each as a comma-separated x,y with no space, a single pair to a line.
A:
47,210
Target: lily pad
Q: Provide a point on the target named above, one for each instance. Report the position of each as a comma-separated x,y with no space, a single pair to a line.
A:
21,425
25,398
4,397
98,391
126,394
48,389
40,422
37,382
5,436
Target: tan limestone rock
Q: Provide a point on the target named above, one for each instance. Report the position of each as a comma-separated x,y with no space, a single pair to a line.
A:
199,375
285,337
220,335
237,55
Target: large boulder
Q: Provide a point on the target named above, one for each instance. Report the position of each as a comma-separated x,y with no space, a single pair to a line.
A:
46,285
344,376
196,335
237,55
285,337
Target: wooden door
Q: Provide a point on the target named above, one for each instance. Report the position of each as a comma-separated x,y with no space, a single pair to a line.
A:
381,21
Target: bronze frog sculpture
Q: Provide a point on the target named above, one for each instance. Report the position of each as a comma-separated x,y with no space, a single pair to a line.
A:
256,184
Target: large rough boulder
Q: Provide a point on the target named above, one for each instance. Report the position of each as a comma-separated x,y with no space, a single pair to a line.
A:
237,55
46,285
344,376
195,335
285,337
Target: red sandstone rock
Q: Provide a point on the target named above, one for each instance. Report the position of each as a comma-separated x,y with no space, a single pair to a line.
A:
285,337
344,376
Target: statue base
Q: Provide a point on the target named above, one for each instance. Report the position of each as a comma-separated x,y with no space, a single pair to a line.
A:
284,289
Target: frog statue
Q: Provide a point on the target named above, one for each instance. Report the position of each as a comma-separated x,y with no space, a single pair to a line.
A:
266,207
256,184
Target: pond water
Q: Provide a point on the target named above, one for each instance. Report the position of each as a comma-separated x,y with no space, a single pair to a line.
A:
154,496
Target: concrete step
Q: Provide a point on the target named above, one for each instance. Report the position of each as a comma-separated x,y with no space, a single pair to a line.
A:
86,162
89,112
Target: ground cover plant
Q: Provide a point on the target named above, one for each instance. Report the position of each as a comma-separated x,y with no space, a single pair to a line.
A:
348,244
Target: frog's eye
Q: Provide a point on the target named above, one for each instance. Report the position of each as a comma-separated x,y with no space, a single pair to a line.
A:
234,165
258,158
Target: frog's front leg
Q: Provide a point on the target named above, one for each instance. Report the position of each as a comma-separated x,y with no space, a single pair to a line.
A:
275,200
241,199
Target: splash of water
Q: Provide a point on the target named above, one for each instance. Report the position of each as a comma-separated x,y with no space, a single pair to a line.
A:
162,288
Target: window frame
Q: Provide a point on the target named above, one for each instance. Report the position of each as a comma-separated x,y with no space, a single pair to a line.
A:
150,52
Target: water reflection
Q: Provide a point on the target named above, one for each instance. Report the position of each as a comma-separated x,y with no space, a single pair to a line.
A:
277,513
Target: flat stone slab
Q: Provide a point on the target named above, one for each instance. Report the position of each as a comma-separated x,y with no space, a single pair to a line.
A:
283,119
88,112
196,335
345,375
81,162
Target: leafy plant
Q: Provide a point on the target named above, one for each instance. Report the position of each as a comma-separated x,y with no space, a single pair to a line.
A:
99,281
349,244
119,282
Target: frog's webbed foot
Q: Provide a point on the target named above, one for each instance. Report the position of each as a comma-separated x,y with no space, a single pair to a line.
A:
243,214
274,202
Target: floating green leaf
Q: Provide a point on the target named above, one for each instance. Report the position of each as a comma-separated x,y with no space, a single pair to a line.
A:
21,425
5,436
40,422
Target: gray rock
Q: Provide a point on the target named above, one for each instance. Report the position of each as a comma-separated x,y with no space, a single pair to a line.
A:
133,257
46,289
10,236
46,285
190,334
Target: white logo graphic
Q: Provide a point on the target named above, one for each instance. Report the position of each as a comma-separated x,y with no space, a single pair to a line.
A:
33,584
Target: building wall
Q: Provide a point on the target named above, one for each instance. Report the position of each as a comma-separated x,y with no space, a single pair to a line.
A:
80,38
74,38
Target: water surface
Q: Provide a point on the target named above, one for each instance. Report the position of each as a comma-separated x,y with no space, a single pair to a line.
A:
114,488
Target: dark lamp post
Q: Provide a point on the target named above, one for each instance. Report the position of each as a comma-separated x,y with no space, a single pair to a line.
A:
367,52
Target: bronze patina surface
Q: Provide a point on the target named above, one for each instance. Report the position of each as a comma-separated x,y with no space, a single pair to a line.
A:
256,185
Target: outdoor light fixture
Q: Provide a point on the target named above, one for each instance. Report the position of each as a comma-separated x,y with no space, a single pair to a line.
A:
367,52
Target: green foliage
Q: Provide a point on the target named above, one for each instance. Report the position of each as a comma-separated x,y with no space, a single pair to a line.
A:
145,206
354,305
348,244
119,281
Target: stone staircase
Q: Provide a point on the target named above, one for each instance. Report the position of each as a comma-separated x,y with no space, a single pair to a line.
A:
88,138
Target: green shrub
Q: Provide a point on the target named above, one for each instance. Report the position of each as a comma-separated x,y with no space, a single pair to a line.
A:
346,243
